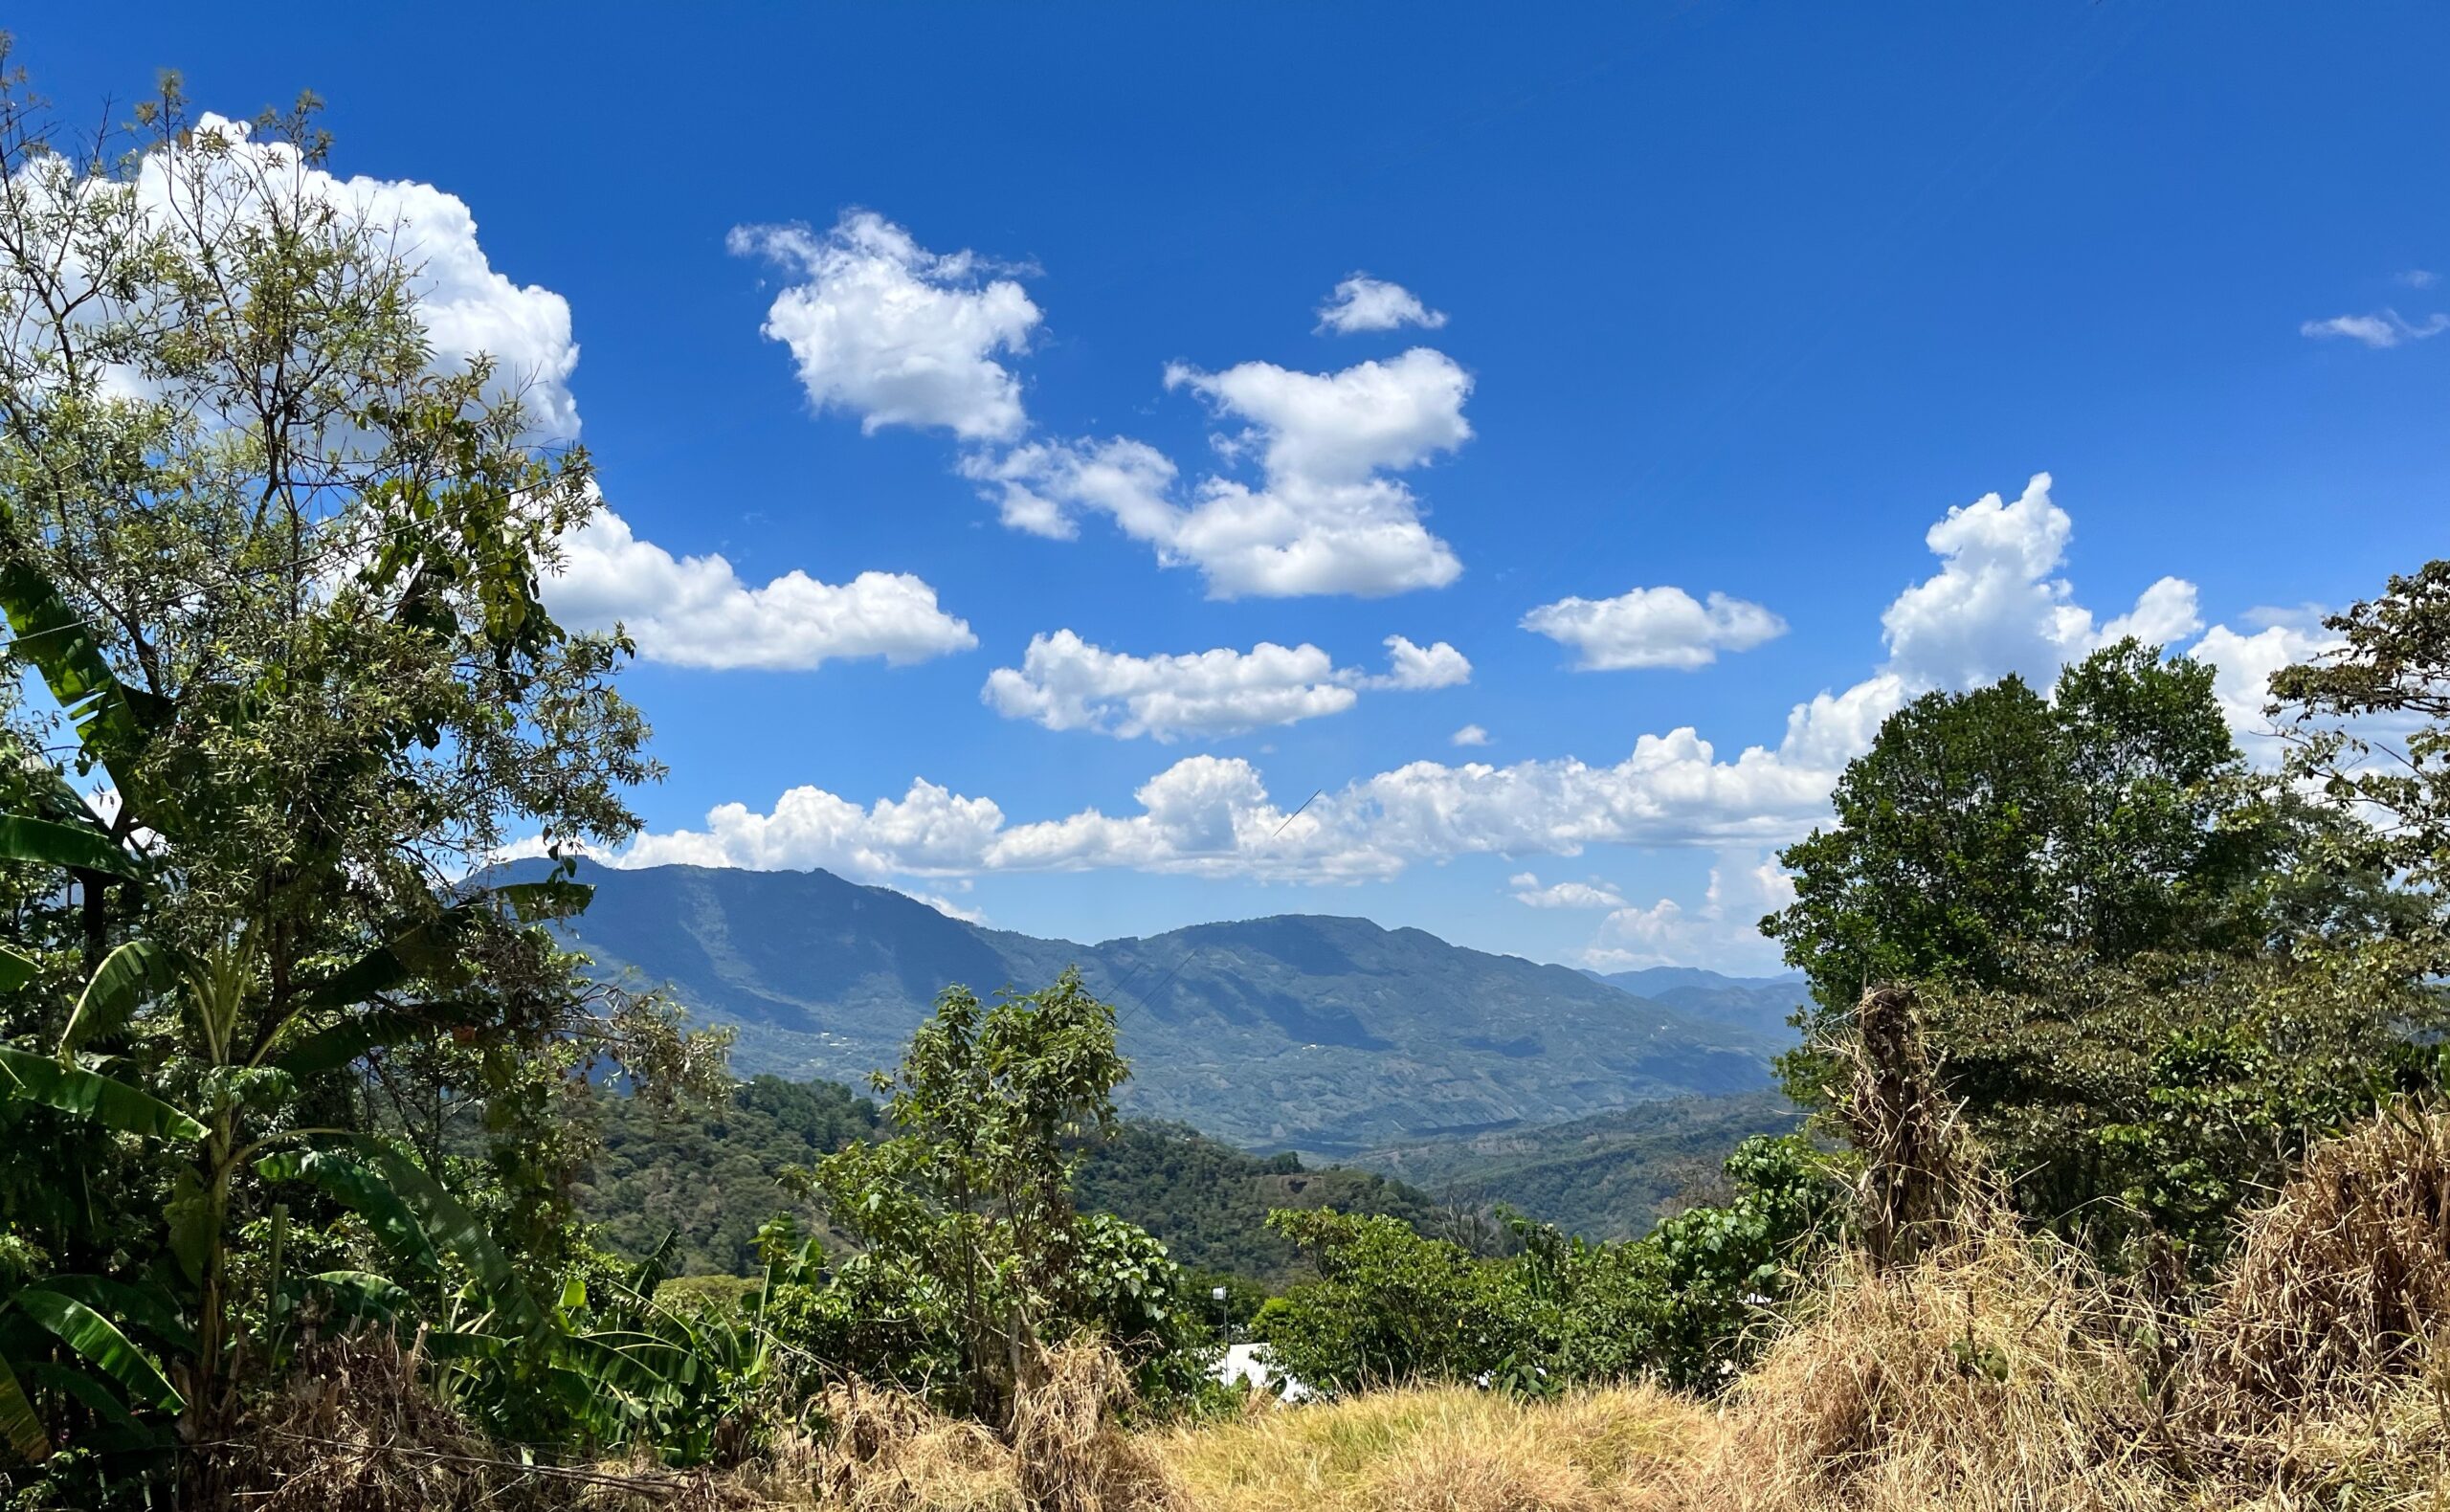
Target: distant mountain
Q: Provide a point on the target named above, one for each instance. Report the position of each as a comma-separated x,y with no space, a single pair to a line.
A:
1604,1177
1758,1004
1301,1031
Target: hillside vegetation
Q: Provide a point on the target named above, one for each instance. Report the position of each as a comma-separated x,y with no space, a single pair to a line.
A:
1609,1176
709,1182
2125,1183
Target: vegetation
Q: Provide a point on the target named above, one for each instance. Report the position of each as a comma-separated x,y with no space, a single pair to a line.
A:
2127,1185
1609,1176
707,1182
2150,974
1686,1304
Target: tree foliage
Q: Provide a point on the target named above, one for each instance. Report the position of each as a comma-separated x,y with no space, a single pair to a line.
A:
2150,973
1687,1303
969,1237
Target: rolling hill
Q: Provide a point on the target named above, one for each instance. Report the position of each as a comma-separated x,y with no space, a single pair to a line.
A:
1604,1177
1301,1031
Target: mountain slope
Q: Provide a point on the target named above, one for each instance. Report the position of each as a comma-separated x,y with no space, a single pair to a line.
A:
1758,1004
1604,1177
1297,1031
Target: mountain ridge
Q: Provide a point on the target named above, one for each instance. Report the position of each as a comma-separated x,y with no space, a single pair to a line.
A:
1315,1032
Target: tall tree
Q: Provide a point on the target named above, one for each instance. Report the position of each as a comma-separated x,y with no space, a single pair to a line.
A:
2148,972
275,562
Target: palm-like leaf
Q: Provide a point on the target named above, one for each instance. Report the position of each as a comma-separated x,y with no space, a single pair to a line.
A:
89,1094
19,1428
45,843
363,1192
128,975
101,1343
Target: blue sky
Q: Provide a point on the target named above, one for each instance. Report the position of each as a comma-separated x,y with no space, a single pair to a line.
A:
1736,301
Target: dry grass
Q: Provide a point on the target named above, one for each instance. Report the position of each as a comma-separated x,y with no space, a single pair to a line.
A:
358,1430
1992,1373
1446,1449
2320,1364
884,1451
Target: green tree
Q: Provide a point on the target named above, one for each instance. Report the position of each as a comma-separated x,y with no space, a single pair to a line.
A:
274,563
2370,722
1982,822
965,1212
2147,971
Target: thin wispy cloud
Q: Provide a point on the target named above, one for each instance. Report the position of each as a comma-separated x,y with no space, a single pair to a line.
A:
2382,329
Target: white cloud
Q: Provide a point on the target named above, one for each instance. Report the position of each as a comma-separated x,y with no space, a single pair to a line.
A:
1040,484
1364,303
2243,665
2415,279
1993,605
946,907
1722,932
1653,627
688,610
221,180
1324,518
1065,683
2384,328
1469,735
695,612
1415,669
897,334
1563,895
1996,606
1214,816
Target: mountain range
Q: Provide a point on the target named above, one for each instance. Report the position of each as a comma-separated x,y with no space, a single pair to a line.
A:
1300,1032
1759,1003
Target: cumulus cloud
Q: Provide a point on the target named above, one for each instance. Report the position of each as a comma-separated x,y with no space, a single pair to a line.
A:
1323,515
896,333
2243,664
1653,627
1563,895
695,612
2384,328
1415,668
1469,735
1994,604
469,308
1065,683
1212,815
1723,929
1997,605
1364,303
691,610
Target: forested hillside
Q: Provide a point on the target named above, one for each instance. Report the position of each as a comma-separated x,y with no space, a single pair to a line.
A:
1760,1004
1609,1176
1299,1032
711,1180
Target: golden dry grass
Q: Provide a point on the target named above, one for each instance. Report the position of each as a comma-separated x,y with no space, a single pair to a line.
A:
1446,1449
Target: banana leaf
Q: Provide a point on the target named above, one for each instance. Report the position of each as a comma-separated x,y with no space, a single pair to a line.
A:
89,1094
101,1343
364,1191
128,975
45,843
